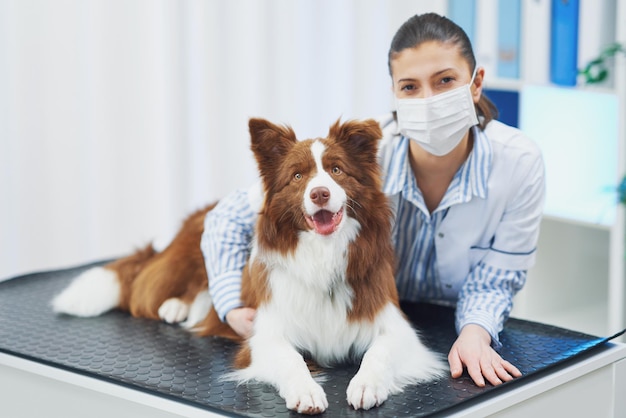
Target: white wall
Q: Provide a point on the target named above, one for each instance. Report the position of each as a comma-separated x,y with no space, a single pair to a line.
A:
118,117
569,284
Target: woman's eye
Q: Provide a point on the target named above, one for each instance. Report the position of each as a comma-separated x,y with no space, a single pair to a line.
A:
408,87
297,176
336,170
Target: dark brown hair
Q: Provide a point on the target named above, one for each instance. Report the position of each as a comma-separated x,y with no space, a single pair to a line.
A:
433,27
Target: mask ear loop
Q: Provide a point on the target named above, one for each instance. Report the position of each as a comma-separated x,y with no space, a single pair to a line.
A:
469,88
471,83
473,76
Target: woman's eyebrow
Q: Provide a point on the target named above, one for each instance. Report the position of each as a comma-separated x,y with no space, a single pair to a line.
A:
442,71
435,74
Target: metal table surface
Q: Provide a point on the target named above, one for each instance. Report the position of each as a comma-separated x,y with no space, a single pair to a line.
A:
166,362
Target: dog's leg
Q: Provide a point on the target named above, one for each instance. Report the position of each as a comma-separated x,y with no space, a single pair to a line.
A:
176,310
296,385
395,359
173,311
274,360
198,310
374,382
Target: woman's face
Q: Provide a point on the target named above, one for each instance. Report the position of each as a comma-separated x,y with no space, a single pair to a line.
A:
429,69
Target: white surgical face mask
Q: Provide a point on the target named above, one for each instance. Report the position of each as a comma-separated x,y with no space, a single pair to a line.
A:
438,123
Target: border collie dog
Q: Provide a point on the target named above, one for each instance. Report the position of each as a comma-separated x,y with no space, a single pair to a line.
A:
320,274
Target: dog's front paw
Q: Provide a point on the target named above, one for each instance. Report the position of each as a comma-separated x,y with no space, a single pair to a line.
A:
306,398
366,392
173,311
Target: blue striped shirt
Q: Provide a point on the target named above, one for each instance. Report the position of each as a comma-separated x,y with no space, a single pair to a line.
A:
485,297
226,241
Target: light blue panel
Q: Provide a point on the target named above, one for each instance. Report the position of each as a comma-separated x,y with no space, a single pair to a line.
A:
463,13
509,20
564,42
577,131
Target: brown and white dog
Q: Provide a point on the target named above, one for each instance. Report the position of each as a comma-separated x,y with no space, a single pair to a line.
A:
321,274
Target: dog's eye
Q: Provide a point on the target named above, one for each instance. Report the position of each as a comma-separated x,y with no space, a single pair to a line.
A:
336,170
297,176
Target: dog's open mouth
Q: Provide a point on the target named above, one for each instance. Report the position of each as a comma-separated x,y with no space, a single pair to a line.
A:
324,222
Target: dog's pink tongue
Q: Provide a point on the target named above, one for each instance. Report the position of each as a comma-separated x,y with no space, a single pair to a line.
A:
324,222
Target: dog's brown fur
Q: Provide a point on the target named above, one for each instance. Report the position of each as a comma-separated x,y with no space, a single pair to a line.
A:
149,278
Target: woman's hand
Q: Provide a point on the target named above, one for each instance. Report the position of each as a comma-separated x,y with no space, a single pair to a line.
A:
472,350
240,320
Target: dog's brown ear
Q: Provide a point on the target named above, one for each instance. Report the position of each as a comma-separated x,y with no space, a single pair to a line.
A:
269,143
359,137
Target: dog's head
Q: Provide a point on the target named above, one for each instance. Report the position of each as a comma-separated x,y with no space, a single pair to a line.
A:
313,185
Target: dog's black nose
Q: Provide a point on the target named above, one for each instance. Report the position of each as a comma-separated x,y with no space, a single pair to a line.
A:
320,195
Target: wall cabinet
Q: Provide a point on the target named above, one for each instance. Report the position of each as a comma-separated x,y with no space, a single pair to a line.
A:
578,281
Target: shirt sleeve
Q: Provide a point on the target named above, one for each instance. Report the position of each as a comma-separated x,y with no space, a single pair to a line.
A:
225,244
486,299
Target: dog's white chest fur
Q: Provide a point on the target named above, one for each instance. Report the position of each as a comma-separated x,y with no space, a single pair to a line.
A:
310,298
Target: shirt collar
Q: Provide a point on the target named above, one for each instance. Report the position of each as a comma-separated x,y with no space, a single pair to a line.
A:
479,165
397,172
472,176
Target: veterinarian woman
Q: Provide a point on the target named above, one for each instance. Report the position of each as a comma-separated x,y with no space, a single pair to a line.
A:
467,191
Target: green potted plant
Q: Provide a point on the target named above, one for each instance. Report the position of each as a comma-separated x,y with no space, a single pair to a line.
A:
596,72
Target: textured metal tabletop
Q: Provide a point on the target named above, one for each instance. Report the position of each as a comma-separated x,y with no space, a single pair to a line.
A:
167,361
